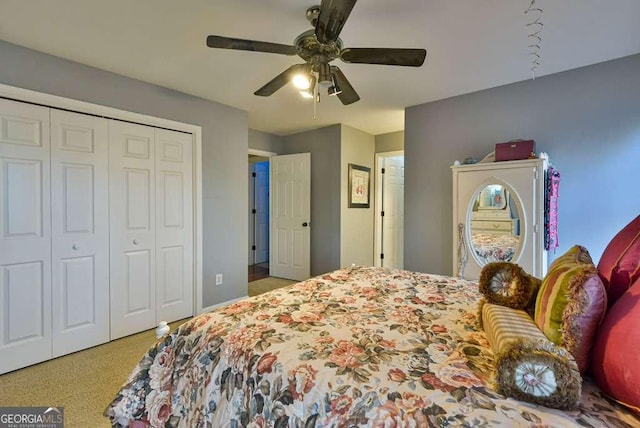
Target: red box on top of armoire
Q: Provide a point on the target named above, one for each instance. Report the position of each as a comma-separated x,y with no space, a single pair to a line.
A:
515,150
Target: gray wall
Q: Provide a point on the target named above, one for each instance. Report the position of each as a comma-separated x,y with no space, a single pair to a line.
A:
356,224
587,119
224,148
324,146
390,142
266,142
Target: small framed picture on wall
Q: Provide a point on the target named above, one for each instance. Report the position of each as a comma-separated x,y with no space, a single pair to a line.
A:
359,181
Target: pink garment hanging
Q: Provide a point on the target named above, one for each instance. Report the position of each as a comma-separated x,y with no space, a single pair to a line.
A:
551,240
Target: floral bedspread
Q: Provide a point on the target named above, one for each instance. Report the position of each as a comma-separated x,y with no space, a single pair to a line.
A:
495,248
359,347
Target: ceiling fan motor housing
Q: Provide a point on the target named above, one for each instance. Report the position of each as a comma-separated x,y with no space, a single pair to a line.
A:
310,49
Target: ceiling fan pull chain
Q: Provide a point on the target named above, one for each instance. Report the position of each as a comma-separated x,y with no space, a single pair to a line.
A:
316,100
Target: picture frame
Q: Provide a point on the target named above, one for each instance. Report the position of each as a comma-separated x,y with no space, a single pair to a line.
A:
359,186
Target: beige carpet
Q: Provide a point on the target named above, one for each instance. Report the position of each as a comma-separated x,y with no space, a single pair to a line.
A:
85,382
267,284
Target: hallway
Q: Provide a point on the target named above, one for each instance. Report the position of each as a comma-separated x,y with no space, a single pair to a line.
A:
258,271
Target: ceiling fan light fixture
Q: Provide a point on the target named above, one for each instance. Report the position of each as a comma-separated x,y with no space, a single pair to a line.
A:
334,90
324,75
301,81
309,92
306,94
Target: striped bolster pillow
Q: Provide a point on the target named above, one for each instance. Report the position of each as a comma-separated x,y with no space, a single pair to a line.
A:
528,366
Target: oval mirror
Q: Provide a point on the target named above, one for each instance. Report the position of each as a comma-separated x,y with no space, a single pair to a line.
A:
493,223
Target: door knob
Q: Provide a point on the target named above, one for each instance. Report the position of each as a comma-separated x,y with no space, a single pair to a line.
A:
305,224
75,246
136,242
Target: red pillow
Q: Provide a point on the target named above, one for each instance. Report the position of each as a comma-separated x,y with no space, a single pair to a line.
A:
615,360
619,266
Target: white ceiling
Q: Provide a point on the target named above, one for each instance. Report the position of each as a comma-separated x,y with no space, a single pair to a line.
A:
471,45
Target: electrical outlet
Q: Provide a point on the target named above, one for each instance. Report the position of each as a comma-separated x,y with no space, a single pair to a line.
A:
218,279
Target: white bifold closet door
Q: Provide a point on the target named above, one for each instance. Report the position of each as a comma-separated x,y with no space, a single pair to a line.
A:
25,235
151,226
80,231
133,218
174,225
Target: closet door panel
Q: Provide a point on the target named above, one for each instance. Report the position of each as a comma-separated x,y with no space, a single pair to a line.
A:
80,231
174,225
25,235
132,196
137,276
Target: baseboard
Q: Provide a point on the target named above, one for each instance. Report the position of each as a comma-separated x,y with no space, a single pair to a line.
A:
212,307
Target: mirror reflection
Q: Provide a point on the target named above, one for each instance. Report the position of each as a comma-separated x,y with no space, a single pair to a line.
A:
495,225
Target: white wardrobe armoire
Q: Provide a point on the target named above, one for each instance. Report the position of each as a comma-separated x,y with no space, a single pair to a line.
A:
498,215
96,230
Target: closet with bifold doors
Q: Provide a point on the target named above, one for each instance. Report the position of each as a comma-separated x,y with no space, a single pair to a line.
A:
96,230
151,226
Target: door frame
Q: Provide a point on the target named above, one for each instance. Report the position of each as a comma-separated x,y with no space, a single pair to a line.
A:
264,154
377,239
55,101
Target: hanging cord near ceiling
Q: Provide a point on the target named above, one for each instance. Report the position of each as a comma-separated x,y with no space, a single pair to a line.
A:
535,37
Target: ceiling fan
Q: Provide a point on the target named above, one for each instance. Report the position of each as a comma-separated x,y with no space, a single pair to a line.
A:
318,47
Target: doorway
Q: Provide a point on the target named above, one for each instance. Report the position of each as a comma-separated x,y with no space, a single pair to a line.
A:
389,223
258,245
284,253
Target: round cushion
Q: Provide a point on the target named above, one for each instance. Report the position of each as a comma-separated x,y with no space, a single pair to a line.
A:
507,284
615,361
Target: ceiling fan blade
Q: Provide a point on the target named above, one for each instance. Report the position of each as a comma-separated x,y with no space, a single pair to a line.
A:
249,45
279,81
333,15
385,56
348,94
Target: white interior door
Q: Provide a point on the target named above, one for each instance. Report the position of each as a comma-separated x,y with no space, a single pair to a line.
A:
132,227
174,225
393,207
262,212
290,216
80,231
25,235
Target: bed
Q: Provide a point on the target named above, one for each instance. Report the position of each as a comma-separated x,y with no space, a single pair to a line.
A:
358,347
493,247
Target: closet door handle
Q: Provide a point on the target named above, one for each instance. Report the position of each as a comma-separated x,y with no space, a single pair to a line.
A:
136,242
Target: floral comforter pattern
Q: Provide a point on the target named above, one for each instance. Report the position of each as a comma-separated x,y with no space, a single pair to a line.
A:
495,248
359,347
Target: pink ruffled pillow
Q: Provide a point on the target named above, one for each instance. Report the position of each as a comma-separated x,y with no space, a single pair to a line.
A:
619,266
615,360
